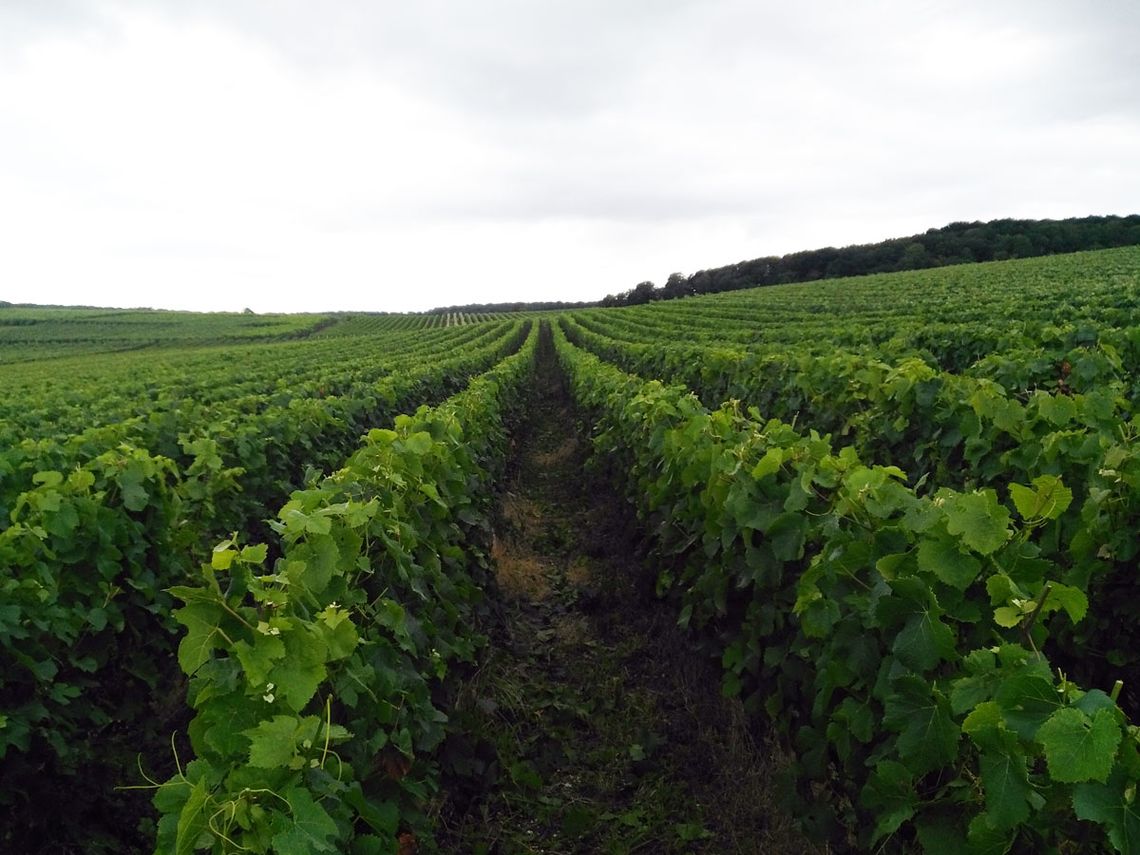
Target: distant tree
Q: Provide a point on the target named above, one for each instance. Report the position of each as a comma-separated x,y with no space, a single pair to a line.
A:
914,257
643,292
677,285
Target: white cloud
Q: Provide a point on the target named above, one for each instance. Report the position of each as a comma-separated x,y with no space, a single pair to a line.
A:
399,156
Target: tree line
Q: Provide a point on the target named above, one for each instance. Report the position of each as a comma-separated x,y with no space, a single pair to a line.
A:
957,243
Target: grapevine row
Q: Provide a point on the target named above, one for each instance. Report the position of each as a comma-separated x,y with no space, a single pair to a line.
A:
96,538
314,681
894,639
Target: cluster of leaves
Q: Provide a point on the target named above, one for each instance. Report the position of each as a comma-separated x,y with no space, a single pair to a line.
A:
965,432
895,639
92,542
316,683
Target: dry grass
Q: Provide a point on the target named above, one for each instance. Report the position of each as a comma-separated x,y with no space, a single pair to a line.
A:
520,576
558,456
578,574
520,513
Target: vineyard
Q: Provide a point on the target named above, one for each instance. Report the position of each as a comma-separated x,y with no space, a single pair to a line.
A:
254,587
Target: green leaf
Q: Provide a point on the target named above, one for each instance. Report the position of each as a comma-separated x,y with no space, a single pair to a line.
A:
769,464
135,498
1048,499
255,554
1007,616
371,844
1025,500
1056,409
928,736
192,821
983,839
1072,600
223,722
97,617
1027,701
339,635
382,817
223,556
201,620
941,833
786,534
890,794
313,563
258,658
943,558
418,443
312,828
48,478
924,640
1115,806
980,520
274,743
1078,748
300,672
318,524
984,679
984,725
1005,780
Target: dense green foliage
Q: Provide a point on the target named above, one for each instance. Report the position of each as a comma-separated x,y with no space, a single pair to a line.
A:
919,629
98,524
901,509
894,639
1053,392
314,681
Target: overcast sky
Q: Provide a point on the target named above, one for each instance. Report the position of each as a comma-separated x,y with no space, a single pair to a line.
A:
302,156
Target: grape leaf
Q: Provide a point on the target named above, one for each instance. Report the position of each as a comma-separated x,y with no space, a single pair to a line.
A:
928,736
222,722
924,640
1073,600
1048,499
192,821
943,558
274,743
1006,783
890,793
313,562
418,443
201,620
257,659
983,839
769,464
1027,701
311,830
1078,748
1109,804
981,521
300,672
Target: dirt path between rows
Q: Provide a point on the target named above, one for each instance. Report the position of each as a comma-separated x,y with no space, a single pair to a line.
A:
599,728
